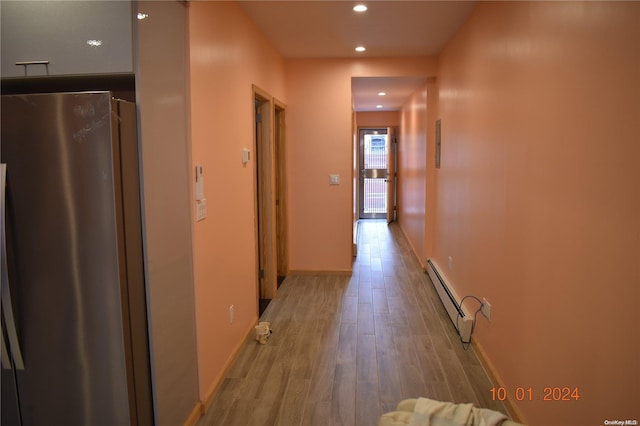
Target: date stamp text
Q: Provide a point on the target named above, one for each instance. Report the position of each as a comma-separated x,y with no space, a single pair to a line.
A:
548,393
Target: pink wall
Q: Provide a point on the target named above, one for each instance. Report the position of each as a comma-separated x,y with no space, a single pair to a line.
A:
320,138
431,186
378,118
412,158
416,169
538,200
228,55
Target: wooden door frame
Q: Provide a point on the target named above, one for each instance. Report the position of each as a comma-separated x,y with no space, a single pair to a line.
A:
282,224
264,204
392,173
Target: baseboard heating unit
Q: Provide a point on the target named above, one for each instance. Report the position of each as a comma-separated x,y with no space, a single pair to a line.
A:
461,319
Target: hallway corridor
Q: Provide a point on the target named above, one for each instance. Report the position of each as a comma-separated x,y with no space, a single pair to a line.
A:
345,349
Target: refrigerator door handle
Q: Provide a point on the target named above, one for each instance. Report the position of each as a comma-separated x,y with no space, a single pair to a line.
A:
5,294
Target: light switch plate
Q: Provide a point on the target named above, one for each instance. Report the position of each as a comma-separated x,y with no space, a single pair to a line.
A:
334,179
199,182
201,209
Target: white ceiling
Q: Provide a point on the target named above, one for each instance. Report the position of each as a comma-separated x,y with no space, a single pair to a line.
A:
331,29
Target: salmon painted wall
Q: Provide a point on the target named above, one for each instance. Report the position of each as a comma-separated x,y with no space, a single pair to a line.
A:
319,126
227,56
320,137
378,118
416,170
431,187
539,200
412,158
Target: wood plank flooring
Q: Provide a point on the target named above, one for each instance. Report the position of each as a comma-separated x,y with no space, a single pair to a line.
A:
344,349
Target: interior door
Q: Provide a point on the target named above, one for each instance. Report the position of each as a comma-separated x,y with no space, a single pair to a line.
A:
373,173
391,174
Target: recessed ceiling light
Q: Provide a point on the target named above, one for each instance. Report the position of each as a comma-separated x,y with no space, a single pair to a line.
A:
360,49
381,93
378,106
360,8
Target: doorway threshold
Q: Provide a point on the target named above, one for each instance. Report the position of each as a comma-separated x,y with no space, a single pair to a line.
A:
262,306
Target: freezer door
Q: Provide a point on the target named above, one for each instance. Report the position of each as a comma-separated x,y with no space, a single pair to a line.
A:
63,267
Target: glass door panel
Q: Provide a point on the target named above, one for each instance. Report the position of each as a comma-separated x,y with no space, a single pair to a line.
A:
373,173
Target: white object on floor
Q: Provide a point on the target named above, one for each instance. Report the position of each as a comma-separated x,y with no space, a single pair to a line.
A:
263,331
429,412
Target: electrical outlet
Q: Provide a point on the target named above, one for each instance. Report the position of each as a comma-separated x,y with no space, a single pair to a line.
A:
450,263
232,314
486,308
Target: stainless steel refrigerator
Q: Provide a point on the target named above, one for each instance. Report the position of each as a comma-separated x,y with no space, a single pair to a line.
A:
75,347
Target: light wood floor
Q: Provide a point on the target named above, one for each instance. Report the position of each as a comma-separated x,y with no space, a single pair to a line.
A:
344,349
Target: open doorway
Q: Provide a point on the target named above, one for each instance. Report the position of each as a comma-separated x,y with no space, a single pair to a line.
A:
265,199
271,196
282,239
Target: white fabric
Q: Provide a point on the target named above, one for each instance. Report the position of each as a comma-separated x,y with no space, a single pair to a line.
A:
429,412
